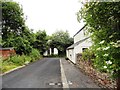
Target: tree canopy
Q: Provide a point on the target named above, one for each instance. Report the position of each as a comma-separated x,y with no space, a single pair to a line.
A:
14,31
41,41
16,34
13,23
61,40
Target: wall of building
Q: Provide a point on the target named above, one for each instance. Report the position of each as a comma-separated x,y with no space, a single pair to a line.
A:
70,55
55,51
79,48
49,52
7,53
85,44
79,36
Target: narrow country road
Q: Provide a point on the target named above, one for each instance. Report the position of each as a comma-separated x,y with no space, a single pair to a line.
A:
41,74
48,73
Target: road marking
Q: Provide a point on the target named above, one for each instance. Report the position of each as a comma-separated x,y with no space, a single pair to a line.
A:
70,83
51,84
63,77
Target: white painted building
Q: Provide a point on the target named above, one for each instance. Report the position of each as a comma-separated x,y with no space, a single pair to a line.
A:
49,52
81,42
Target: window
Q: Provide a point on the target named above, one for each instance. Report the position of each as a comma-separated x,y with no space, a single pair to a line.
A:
83,49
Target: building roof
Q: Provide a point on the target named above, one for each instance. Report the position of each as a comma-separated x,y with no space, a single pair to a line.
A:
9,48
77,43
80,30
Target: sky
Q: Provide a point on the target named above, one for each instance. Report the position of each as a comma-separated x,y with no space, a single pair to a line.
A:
52,15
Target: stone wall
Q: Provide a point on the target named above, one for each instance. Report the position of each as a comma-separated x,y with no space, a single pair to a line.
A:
102,79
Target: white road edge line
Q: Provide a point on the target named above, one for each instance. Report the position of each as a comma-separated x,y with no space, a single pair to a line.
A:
63,77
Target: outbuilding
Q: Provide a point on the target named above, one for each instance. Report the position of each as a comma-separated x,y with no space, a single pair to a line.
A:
81,42
7,52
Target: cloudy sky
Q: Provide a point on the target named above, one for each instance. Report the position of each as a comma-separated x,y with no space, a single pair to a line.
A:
52,15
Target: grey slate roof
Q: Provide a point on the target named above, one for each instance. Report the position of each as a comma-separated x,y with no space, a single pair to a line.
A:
77,43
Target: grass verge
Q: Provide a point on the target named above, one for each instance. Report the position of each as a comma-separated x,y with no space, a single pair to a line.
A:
18,60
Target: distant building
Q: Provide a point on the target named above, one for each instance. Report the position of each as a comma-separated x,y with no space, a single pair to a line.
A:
81,42
7,52
49,52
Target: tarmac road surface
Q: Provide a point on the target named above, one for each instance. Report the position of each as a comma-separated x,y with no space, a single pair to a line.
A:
48,73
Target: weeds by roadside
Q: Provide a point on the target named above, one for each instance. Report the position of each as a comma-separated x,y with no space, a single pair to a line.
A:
19,60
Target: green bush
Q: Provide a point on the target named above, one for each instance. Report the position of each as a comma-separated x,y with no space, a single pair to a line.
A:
34,54
107,57
18,60
88,54
27,59
23,59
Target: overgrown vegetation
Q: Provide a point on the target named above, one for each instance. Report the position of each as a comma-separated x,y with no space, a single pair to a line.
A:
103,22
19,60
88,54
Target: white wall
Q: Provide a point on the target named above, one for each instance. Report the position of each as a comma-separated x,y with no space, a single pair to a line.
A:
50,51
85,44
79,36
45,53
70,55
55,51
79,48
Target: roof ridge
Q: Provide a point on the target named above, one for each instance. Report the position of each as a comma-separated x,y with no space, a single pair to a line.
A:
80,30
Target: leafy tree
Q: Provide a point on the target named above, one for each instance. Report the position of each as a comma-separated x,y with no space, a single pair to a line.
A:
29,35
21,45
41,41
13,23
14,28
61,40
103,21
